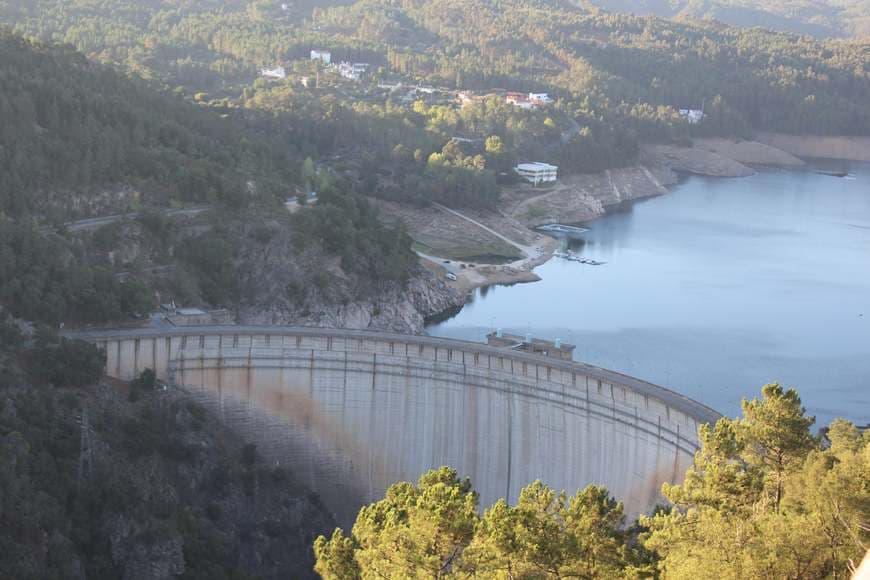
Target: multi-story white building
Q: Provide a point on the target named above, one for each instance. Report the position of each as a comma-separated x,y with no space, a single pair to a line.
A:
323,56
537,172
353,71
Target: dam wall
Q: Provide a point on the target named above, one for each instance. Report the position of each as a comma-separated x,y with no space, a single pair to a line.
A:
350,412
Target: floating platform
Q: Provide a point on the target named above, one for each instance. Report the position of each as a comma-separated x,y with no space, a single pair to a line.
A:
563,229
571,256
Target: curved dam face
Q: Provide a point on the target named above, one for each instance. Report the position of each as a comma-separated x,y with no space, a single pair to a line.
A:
351,412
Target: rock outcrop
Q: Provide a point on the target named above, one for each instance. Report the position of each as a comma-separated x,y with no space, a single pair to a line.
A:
281,285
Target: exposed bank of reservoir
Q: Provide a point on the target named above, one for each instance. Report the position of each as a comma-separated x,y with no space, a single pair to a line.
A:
716,288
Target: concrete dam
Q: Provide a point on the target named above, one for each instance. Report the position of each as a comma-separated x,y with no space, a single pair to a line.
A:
350,412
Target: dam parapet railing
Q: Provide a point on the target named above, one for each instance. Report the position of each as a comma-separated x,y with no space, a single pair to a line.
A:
130,351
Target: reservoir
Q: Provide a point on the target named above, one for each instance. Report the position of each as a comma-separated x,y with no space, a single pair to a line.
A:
714,289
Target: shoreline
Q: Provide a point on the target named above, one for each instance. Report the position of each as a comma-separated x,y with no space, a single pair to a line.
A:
735,153
480,276
837,147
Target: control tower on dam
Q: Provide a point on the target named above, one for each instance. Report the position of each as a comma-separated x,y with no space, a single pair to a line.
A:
350,412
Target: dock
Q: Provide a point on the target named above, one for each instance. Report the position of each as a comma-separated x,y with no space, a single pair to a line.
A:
571,256
563,229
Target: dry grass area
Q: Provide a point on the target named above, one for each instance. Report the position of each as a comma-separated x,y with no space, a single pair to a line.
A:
441,234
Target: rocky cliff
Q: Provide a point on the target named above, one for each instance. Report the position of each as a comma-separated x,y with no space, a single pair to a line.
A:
279,284
266,271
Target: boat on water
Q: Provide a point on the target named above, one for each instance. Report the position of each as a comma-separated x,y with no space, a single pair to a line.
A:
833,173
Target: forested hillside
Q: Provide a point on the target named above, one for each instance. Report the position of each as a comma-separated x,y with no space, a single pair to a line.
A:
619,65
617,81
103,481
826,18
79,138
73,126
613,65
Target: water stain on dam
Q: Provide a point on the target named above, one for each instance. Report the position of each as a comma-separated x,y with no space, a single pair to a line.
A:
349,423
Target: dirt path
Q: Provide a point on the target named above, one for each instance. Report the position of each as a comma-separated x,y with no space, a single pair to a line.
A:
528,251
522,206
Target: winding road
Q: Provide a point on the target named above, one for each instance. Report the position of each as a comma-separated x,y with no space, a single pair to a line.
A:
97,222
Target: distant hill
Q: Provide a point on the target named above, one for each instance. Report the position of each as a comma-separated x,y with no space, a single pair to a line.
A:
820,18
624,65
73,131
606,63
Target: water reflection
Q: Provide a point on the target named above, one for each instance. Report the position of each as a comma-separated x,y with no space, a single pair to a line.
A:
714,289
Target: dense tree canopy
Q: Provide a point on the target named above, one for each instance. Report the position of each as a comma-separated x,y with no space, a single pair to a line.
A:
45,278
433,530
72,126
764,499
97,485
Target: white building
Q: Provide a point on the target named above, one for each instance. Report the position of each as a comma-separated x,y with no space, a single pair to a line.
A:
390,85
540,98
323,56
466,97
353,71
519,100
694,116
274,73
537,172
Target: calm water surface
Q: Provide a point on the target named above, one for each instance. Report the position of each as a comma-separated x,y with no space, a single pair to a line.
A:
715,289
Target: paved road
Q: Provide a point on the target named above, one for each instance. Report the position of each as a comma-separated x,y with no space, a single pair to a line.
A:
675,400
453,265
97,222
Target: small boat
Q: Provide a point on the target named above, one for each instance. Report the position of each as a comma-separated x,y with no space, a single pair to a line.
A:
833,173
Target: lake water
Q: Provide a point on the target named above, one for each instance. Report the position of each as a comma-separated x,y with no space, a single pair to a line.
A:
714,289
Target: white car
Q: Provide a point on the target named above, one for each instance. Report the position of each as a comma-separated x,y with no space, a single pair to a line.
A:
451,276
